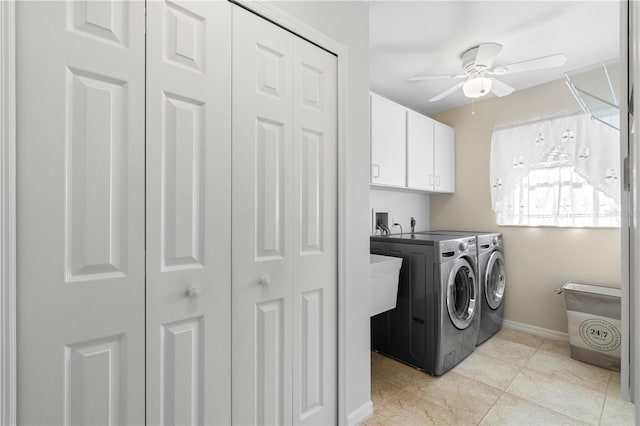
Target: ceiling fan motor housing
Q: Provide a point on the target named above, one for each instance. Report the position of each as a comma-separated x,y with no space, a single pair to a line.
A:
469,62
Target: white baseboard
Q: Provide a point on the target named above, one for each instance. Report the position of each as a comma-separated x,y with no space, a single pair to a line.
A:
361,414
537,331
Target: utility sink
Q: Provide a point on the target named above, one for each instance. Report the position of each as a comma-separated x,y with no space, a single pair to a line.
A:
383,274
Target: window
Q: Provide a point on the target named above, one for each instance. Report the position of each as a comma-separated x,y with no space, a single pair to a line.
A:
558,172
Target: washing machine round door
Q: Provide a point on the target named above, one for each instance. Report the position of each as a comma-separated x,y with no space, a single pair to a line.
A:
495,280
461,293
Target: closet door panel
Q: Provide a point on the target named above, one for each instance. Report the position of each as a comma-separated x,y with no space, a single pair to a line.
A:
188,173
262,215
315,230
81,212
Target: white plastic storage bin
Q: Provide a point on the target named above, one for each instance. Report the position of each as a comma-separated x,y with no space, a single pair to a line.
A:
593,313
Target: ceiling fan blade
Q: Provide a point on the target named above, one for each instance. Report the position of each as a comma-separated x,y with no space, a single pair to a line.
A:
532,64
446,92
434,77
500,89
487,52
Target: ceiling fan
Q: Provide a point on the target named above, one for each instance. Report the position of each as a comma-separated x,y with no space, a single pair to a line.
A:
476,62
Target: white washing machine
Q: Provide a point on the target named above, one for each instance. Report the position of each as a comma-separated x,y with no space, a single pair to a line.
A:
491,274
435,323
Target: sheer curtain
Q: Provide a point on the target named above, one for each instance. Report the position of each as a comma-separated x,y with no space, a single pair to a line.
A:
557,172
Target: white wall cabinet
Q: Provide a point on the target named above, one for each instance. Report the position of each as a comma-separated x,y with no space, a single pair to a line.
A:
427,147
388,142
420,146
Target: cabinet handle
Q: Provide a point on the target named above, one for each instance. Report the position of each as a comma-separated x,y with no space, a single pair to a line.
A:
430,179
376,167
438,180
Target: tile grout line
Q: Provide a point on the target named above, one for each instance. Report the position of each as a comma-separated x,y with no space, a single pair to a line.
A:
519,372
534,402
498,398
511,381
567,415
604,402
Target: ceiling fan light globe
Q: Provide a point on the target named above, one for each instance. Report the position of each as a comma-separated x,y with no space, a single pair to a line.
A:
476,87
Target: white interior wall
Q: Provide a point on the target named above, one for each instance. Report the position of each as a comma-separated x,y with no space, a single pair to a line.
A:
348,23
402,205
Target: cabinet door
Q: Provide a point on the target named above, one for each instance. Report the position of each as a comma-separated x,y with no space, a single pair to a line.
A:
445,167
80,174
388,142
419,151
188,213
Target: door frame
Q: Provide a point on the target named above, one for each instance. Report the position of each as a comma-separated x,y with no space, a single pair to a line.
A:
626,237
8,366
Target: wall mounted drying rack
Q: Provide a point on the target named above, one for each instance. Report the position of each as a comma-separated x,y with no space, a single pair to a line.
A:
595,88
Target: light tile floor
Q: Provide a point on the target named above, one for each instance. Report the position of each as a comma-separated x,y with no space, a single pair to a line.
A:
514,378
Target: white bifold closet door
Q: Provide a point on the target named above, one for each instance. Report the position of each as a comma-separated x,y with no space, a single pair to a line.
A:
188,212
81,332
284,247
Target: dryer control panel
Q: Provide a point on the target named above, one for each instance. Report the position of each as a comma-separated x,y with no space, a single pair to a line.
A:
458,247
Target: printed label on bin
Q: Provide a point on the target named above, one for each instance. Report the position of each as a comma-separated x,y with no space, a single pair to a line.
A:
594,332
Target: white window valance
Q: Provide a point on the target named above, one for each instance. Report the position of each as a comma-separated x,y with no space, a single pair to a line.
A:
558,172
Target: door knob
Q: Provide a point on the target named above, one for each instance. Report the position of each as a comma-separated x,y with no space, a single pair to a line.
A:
264,280
194,292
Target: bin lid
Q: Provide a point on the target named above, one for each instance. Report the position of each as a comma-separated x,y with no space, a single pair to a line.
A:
595,289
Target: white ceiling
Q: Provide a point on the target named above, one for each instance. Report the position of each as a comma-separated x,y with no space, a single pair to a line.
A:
410,38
